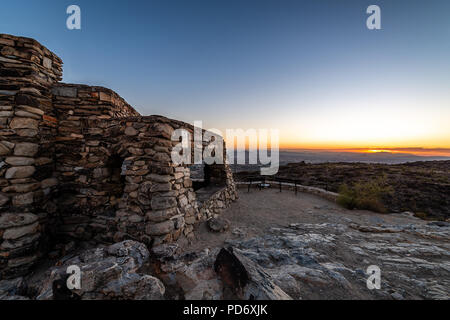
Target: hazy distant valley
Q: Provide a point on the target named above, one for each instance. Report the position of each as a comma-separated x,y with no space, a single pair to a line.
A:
321,156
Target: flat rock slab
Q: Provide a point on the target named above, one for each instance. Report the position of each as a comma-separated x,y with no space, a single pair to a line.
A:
11,220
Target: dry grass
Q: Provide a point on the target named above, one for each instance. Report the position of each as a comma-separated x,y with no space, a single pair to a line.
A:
365,195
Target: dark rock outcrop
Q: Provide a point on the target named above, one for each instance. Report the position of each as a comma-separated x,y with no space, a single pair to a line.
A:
106,273
246,279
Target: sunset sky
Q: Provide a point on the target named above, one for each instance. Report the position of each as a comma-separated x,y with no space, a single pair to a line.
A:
308,68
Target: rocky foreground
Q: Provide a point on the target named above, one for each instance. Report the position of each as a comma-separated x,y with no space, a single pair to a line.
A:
329,261
301,261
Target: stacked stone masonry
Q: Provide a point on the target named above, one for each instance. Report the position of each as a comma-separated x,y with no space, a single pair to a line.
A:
78,162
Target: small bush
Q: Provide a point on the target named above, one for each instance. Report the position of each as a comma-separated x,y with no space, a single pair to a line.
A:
364,195
346,197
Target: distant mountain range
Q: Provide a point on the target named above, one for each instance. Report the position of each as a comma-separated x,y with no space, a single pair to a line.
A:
317,156
322,156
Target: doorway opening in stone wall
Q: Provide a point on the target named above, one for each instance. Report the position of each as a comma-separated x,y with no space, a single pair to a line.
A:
197,172
115,185
207,179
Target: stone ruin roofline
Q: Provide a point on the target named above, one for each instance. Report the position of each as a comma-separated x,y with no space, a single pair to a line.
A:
33,42
80,85
155,117
97,89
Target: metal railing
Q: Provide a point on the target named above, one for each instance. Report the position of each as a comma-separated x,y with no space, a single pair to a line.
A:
261,181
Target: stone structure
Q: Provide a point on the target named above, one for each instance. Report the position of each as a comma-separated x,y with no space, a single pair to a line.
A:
78,162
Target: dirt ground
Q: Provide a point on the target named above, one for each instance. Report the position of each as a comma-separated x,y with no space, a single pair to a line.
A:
255,212
317,250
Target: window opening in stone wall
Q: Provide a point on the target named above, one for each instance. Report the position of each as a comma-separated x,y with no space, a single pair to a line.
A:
207,179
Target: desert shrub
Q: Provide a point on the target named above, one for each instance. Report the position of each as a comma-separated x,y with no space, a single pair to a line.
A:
346,197
364,195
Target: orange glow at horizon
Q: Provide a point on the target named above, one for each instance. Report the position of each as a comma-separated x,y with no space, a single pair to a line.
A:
393,128
378,151
418,151
426,148
408,149
385,124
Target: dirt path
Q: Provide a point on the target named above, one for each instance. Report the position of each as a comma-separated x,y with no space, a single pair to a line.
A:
255,212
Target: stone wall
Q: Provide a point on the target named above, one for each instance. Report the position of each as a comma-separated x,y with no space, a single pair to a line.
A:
158,192
119,182
28,128
78,162
89,188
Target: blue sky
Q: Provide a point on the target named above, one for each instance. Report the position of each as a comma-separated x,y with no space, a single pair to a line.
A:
308,68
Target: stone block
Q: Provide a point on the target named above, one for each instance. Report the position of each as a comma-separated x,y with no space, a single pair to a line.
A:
32,110
161,187
23,199
15,233
160,215
4,150
20,172
10,220
21,188
26,149
159,229
24,123
19,161
130,131
160,203
159,178
65,91
47,63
